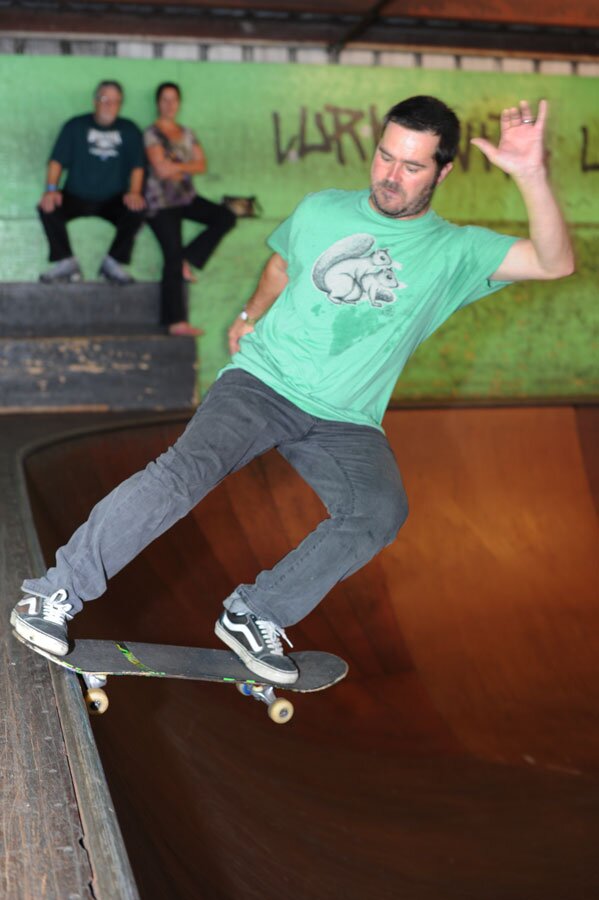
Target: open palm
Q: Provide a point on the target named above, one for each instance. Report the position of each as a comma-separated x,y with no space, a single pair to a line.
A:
521,146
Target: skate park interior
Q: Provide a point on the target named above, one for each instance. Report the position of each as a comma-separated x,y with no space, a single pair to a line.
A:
460,753
460,757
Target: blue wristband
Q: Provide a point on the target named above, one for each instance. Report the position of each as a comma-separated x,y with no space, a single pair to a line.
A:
51,187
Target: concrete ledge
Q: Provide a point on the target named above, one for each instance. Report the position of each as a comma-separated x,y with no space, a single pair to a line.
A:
99,373
32,308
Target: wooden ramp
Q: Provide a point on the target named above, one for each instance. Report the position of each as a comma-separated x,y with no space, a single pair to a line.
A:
459,759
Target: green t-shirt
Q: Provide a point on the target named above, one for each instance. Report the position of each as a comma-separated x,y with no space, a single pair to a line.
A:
99,158
364,291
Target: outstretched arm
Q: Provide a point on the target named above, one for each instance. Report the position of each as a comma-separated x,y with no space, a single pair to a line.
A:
548,252
272,283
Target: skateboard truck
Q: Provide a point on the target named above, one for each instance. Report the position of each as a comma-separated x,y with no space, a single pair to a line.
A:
279,709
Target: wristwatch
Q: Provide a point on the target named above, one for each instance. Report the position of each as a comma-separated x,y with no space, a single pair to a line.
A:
245,317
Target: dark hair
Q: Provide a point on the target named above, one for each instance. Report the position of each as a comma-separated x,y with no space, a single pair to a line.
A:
113,84
162,87
429,114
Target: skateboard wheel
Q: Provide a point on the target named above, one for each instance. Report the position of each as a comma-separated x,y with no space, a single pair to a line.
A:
96,701
281,711
245,689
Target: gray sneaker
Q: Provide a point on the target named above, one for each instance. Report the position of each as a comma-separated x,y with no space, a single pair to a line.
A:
64,270
41,621
257,642
112,271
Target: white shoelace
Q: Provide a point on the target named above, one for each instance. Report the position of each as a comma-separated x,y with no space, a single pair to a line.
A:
272,635
54,608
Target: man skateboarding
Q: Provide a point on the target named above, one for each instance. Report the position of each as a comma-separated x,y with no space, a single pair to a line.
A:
357,280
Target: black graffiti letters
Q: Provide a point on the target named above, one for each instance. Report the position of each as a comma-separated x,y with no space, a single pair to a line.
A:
337,126
340,129
350,133
585,165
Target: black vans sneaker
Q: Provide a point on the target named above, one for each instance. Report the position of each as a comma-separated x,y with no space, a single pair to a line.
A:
257,642
41,621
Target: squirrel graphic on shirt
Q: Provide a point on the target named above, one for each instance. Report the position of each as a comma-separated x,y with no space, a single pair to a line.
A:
350,270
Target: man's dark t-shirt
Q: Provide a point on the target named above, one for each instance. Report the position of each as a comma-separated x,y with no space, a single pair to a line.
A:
99,158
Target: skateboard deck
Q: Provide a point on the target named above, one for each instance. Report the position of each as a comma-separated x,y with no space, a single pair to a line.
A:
95,660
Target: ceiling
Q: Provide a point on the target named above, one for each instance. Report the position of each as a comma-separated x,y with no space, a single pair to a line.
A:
538,26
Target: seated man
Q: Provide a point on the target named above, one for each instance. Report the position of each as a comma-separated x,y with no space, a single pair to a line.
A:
104,158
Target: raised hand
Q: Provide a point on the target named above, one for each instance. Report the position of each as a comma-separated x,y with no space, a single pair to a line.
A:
521,149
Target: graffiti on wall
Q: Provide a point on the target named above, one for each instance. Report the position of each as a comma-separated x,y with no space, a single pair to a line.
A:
335,126
586,164
343,131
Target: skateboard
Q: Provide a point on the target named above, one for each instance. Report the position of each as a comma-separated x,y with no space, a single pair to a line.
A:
95,660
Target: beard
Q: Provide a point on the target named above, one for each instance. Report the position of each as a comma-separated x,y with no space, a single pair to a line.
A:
388,205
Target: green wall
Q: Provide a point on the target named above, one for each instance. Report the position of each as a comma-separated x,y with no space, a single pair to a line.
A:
279,131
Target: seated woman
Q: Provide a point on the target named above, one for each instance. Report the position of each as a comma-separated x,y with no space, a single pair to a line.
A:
175,155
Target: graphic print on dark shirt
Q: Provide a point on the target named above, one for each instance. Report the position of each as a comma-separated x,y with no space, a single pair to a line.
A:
104,144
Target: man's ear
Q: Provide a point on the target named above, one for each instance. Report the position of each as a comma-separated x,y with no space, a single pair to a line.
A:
444,173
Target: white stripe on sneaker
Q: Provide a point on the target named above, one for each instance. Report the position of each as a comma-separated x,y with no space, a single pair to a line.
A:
242,629
30,602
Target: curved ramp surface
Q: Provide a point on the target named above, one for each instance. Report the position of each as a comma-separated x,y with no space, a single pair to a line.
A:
460,758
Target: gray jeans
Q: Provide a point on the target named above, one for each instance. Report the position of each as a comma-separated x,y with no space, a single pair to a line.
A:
351,468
